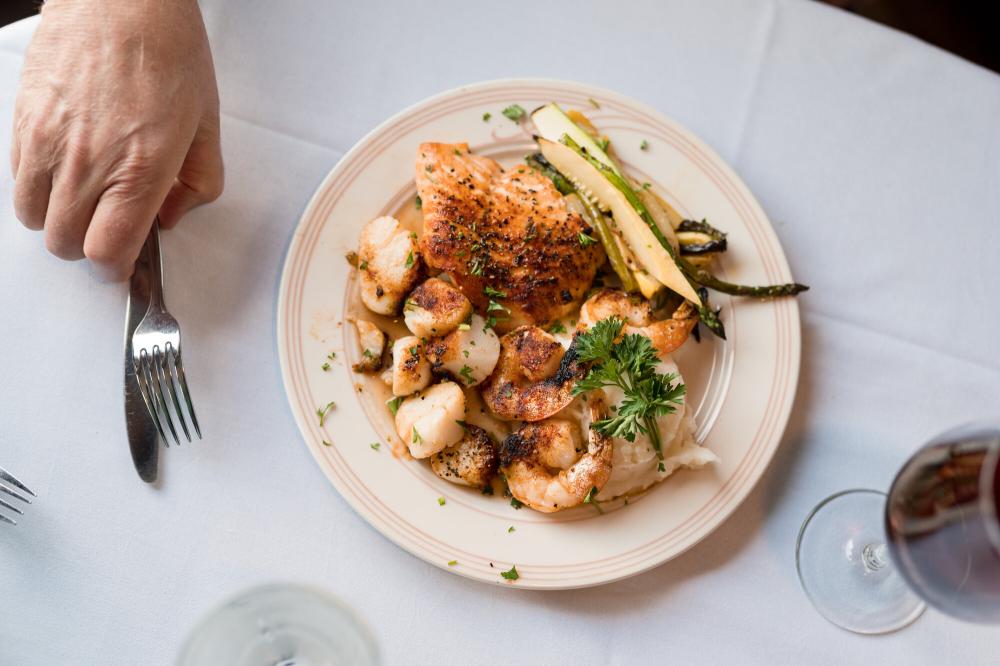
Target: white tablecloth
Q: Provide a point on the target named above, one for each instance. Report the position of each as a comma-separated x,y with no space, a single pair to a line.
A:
877,157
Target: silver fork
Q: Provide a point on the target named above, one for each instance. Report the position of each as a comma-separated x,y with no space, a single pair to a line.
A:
156,354
7,485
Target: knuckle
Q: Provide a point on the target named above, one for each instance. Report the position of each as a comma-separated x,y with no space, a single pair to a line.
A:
214,186
59,245
26,209
102,251
78,154
37,135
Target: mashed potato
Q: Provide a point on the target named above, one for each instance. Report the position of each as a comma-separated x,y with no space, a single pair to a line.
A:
635,466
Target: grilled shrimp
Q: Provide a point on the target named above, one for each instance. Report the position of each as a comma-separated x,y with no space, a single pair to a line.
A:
547,465
389,264
372,341
533,378
410,369
435,308
468,354
471,462
428,420
666,335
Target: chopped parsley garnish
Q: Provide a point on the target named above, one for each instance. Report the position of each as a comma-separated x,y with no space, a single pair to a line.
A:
487,489
589,499
326,443
644,145
492,320
465,352
466,373
494,293
325,366
414,351
585,240
604,143
661,468
394,404
510,529
512,574
441,501
428,168
323,411
368,353
646,186
363,265
515,112
352,258
628,362
418,202
557,328
462,424
476,267
516,503
464,327
331,356
409,260
409,305
375,446
452,563
593,102
416,438
487,116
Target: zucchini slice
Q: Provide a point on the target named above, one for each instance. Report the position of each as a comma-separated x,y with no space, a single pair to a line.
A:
637,227
552,123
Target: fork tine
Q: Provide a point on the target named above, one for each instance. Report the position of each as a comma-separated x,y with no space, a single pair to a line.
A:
163,376
178,375
5,519
9,478
143,382
157,390
8,491
11,507
154,387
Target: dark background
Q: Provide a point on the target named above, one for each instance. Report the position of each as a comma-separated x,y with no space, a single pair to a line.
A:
968,28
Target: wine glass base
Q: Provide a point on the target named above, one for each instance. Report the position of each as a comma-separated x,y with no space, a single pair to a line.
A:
844,567
280,625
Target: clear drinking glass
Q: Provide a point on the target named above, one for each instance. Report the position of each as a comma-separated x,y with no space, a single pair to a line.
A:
280,625
869,562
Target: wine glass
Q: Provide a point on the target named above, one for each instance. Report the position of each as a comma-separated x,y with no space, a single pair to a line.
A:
280,625
870,562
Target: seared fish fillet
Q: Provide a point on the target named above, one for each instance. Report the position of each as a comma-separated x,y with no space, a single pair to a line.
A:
507,230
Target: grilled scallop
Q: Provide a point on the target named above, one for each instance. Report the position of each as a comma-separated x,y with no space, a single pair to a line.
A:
389,264
372,341
435,308
471,462
510,231
428,421
468,354
410,369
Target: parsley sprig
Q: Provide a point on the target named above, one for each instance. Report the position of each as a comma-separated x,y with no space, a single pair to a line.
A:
630,364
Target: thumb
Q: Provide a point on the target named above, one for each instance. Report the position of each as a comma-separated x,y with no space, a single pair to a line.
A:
200,179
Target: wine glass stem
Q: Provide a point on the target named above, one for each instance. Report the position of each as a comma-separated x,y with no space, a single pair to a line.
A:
874,557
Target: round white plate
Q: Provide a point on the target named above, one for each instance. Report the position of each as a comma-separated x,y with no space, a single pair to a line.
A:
742,389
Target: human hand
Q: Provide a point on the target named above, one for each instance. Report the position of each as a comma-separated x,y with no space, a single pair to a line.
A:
116,120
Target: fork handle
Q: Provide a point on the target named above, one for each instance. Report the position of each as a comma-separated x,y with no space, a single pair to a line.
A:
155,267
